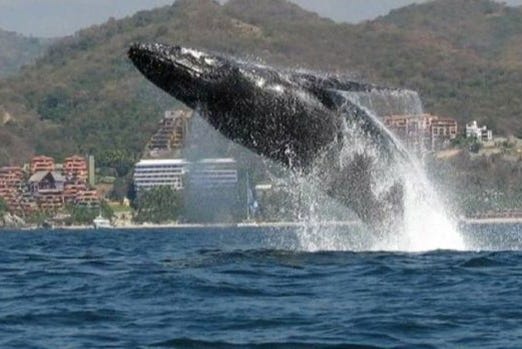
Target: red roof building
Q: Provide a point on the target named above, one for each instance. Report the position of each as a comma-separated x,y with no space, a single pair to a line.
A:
42,163
72,189
75,167
88,198
423,132
11,179
50,200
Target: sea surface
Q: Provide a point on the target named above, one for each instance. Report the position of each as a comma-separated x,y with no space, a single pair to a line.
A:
254,288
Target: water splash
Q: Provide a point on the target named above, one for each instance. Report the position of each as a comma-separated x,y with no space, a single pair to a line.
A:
426,224
385,102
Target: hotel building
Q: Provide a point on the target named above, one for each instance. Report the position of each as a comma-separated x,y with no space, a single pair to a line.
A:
213,173
172,132
149,174
42,163
75,167
423,132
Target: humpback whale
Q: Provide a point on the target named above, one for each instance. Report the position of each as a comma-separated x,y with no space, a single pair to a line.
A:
302,120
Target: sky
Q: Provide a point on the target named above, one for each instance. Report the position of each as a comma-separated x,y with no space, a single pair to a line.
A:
53,18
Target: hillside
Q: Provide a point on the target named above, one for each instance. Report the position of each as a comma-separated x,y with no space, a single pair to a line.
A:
83,95
17,50
485,84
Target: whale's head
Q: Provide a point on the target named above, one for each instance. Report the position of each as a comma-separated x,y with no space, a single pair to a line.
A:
254,105
186,74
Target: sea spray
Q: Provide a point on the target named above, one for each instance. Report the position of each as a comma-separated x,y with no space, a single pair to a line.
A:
389,102
426,223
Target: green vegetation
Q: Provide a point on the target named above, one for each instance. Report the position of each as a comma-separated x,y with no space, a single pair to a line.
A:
471,144
477,184
158,205
17,51
38,218
3,207
121,161
84,96
85,215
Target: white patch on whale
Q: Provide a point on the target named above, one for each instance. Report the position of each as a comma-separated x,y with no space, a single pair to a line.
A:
193,53
277,88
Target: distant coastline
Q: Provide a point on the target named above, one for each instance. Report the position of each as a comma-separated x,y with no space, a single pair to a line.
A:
503,220
247,225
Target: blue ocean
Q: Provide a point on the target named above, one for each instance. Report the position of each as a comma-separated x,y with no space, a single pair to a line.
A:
248,288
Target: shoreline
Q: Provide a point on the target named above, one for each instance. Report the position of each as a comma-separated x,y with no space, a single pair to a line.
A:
274,225
277,225
513,220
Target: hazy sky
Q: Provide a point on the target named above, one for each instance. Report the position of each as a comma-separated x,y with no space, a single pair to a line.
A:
62,17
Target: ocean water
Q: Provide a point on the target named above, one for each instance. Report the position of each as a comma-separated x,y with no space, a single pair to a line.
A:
254,288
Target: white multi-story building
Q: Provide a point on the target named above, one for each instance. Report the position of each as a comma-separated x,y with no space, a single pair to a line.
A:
203,174
213,173
482,134
155,173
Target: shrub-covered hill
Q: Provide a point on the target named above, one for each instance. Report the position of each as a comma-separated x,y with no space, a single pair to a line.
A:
84,95
17,50
488,36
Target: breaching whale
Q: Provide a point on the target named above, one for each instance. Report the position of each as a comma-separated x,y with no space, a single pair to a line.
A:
299,119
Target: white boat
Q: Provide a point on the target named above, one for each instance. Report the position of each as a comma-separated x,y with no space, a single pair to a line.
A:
101,223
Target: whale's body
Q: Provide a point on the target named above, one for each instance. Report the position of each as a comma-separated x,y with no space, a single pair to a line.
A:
297,119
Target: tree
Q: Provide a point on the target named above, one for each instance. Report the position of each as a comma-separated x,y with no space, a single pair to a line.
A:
82,215
3,207
158,205
121,161
85,215
121,188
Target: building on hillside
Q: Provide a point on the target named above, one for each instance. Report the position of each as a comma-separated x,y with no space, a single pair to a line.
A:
423,132
411,129
46,180
72,189
482,134
47,188
11,196
149,174
210,186
28,203
213,173
87,198
11,186
212,192
49,200
50,185
12,176
171,134
75,167
443,130
42,163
